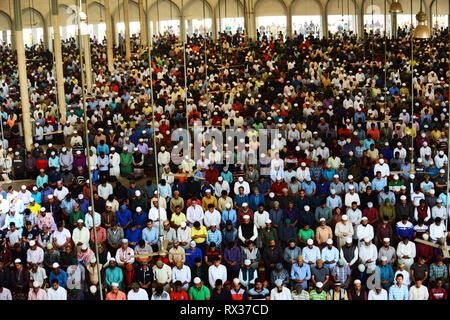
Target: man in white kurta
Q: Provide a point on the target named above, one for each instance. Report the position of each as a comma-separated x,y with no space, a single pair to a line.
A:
406,252
182,272
212,217
56,292
194,213
368,255
343,230
216,271
137,293
364,231
418,291
157,215
114,163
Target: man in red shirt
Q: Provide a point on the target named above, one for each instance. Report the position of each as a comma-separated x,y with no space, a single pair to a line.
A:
278,186
438,293
178,293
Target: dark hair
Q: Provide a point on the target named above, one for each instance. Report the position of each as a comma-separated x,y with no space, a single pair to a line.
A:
159,289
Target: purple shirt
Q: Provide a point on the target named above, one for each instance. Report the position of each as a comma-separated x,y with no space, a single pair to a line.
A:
293,214
232,255
46,193
143,148
80,162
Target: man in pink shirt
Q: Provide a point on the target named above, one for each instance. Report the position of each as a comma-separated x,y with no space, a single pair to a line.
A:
37,293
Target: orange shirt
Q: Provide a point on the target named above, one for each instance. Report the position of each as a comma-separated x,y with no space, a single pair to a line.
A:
119,296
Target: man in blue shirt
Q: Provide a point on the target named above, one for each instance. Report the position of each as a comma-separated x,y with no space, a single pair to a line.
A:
404,228
398,291
140,219
386,273
214,236
194,252
123,217
59,274
301,273
150,235
133,235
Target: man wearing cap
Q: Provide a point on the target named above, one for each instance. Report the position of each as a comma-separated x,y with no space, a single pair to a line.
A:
349,253
37,293
35,254
387,251
80,234
368,254
318,293
323,233
343,230
115,293
124,254
330,255
386,273
280,292
438,211
58,273
199,291
364,230
113,274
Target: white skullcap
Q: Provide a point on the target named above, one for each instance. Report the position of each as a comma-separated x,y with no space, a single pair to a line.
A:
344,217
268,221
319,284
137,193
329,241
310,241
306,208
197,280
348,240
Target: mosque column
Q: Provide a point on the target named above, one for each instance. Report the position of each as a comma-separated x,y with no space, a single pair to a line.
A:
23,81
109,37
4,35
325,25
289,23
45,37
394,25
214,25
87,50
250,20
58,62
143,27
127,30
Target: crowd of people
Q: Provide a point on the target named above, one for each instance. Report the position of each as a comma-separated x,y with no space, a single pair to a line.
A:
357,171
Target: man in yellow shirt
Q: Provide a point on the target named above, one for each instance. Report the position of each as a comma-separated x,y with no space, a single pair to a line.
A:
34,207
199,235
177,217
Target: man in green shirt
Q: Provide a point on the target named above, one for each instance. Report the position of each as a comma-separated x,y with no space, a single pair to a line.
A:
304,234
198,291
126,161
387,210
318,293
75,215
